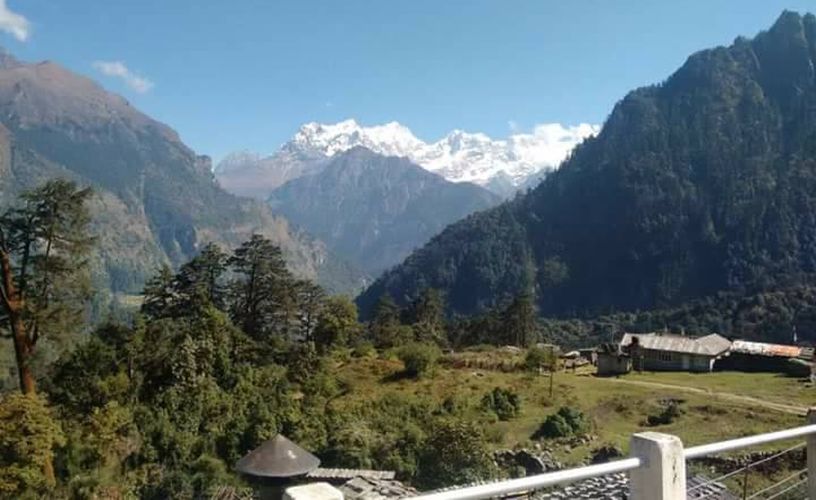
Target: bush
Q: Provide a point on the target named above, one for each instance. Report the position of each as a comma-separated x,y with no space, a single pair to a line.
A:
563,423
364,349
418,358
505,403
456,452
671,411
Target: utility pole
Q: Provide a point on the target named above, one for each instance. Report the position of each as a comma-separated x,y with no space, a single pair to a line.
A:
553,364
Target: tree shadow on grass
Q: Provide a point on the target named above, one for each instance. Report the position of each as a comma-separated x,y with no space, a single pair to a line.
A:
396,377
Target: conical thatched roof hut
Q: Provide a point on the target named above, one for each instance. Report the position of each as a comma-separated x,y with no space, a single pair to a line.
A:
277,458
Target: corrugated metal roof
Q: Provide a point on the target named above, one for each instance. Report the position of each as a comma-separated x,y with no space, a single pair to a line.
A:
762,349
710,345
321,473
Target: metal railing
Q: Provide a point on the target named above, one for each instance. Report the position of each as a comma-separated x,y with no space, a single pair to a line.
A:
657,467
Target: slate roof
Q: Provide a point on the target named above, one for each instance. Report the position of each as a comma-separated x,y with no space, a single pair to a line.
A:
321,473
616,487
363,488
710,345
277,457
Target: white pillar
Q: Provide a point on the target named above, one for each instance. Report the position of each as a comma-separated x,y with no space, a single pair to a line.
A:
313,491
811,456
662,472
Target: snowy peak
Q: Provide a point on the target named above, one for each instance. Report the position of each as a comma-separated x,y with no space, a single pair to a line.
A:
501,165
391,139
460,156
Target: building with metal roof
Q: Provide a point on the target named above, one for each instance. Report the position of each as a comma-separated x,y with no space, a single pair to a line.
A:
671,352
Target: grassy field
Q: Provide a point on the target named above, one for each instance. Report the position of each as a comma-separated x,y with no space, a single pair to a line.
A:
714,406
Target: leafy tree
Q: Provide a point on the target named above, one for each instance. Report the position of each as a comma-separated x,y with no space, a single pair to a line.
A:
28,435
81,381
337,324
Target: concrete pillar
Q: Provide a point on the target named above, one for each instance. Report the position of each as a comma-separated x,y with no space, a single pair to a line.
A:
313,491
811,455
662,472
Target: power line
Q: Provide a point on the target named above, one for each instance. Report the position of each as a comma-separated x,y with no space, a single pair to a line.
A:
746,467
777,484
777,495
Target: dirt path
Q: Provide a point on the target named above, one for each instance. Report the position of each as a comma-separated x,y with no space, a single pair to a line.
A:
782,407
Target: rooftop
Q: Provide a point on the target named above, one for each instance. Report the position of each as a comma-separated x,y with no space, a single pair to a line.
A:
277,457
710,345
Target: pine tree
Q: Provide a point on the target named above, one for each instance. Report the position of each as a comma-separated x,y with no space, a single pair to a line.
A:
200,280
160,294
309,298
43,291
385,325
428,317
520,321
262,295
43,245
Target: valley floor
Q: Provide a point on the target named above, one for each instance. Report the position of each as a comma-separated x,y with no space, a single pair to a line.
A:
713,406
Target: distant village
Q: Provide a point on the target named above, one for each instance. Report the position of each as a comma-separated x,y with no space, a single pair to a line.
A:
676,352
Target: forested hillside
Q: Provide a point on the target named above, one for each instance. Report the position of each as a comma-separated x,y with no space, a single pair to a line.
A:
703,183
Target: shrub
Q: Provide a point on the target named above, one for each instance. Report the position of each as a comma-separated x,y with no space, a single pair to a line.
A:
671,411
456,452
563,423
418,358
505,403
364,349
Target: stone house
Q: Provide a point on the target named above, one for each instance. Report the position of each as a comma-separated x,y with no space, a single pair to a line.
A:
670,352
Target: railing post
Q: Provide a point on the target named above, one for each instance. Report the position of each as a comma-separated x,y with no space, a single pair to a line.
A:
662,473
811,455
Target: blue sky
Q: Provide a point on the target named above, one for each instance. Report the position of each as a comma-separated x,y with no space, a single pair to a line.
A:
244,74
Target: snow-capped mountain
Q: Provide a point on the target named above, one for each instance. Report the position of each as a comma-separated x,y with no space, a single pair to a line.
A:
502,165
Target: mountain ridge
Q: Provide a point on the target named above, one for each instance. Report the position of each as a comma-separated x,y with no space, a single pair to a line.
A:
373,209
500,165
698,185
162,201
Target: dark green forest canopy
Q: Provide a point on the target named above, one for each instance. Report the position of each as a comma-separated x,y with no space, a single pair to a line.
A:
704,183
